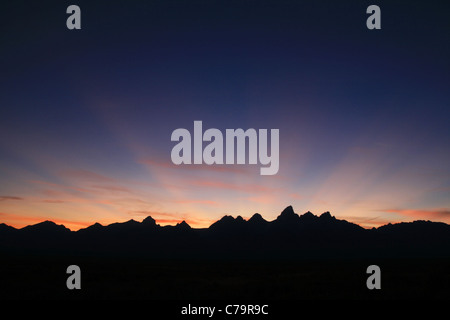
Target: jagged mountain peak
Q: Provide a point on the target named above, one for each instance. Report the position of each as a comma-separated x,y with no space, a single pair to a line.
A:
257,218
288,211
308,215
46,226
149,221
289,234
228,221
326,215
183,225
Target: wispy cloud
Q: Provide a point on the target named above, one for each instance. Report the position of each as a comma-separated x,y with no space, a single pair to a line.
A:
231,186
112,188
216,168
53,201
85,175
296,196
208,202
6,198
151,213
367,222
442,213
263,199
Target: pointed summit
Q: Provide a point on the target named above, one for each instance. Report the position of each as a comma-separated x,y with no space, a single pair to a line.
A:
287,215
5,227
287,211
228,222
92,228
257,219
327,216
183,225
95,226
149,221
46,226
223,222
130,223
308,215
128,226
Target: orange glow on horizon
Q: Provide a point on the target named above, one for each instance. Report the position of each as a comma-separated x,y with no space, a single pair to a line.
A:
19,221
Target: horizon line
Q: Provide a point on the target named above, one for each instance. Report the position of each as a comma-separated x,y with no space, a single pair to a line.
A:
226,215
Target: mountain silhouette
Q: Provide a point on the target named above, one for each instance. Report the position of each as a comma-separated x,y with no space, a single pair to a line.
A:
290,235
4,228
257,219
45,227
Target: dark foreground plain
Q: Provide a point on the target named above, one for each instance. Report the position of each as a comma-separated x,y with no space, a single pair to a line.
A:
108,278
293,258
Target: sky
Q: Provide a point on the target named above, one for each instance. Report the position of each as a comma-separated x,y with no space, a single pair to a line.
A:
87,115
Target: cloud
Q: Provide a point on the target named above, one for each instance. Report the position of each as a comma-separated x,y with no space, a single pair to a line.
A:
111,188
208,202
443,213
151,213
296,196
51,189
85,175
263,199
53,201
5,198
72,192
252,188
216,168
367,222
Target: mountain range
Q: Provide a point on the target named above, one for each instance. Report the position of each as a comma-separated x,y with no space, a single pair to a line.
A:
290,236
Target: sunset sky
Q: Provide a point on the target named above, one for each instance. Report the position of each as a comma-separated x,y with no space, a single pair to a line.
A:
87,115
